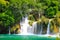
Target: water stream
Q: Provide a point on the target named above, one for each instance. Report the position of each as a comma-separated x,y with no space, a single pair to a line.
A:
41,29
26,29
48,28
24,25
34,29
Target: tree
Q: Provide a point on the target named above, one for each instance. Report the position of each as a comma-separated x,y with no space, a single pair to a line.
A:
51,8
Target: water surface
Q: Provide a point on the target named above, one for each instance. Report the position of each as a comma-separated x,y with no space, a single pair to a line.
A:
25,37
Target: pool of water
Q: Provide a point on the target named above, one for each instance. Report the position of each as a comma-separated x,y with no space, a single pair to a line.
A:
25,37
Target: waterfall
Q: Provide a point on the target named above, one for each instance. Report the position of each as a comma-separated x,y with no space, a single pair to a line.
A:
41,29
30,30
25,27
9,30
48,28
34,29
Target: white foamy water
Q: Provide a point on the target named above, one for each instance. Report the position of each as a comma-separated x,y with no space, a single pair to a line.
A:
26,29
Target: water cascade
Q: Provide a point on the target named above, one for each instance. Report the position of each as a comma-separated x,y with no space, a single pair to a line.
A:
48,28
24,25
9,30
41,29
26,29
34,29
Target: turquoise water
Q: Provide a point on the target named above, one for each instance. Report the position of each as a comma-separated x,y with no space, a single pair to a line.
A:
25,37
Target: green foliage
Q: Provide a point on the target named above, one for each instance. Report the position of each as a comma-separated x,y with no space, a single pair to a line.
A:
3,2
11,11
6,20
51,12
3,5
31,18
51,9
58,14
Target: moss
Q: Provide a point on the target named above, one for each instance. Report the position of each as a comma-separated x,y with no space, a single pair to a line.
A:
39,21
30,22
15,29
57,38
58,14
49,36
44,19
35,14
30,17
55,23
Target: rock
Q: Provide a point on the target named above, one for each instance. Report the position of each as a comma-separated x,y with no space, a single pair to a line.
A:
55,25
15,29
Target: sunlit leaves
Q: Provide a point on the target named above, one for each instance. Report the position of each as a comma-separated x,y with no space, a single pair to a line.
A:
3,2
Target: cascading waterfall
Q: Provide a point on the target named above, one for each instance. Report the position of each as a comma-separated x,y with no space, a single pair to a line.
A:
24,25
41,29
34,29
29,29
48,28
26,28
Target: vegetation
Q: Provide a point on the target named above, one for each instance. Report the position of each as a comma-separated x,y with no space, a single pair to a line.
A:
57,38
12,11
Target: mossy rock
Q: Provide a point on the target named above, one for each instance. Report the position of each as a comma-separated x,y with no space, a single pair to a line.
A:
30,22
15,29
55,25
39,21
30,17
44,19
